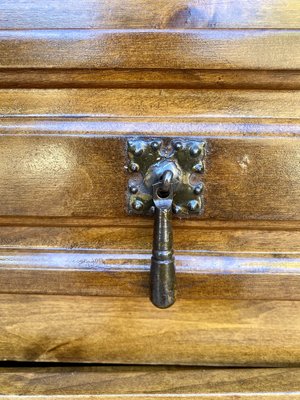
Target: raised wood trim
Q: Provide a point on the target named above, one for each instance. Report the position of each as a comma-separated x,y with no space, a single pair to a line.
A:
270,49
165,396
140,382
199,276
207,127
148,14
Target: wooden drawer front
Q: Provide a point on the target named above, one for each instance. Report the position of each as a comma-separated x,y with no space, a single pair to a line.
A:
74,265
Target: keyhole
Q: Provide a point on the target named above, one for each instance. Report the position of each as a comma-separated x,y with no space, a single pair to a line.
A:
163,194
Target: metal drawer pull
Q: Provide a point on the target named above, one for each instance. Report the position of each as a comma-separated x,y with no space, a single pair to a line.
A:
162,272
165,179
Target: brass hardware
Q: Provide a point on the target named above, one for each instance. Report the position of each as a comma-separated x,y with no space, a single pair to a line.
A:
165,179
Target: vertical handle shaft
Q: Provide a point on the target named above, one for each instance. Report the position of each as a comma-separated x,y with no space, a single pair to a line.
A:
162,273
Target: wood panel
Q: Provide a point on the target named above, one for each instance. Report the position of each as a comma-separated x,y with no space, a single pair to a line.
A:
179,49
153,382
149,14
85,175
73,265
164,103
132,330
199,276
139,238
147,78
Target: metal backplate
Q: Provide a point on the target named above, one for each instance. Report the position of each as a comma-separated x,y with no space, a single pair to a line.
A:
148,159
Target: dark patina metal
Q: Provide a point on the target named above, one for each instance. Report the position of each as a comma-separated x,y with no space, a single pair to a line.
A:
164,179
162,272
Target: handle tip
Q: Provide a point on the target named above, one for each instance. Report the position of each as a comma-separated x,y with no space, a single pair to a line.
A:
163,303
162,284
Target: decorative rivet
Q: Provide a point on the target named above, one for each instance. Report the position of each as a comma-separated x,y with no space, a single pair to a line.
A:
134,167
155,145
177,145
193,205
198,189
137,205
176,209
138,152
198,167
195,150
152,210
135,148
133,189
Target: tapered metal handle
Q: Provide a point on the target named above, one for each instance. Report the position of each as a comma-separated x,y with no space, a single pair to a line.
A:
162,272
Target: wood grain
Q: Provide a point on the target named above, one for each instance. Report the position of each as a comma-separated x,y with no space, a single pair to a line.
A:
132,330
149,14
139,238
199,276
155,382
147,78
85,175
180,49
77,80
164,103
177,125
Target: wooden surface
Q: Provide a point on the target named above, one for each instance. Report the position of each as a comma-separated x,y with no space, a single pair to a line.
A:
189,49
149,78
118,274
85,175
132,330
150,382
77,80
152,103
145,125
128,236
149,14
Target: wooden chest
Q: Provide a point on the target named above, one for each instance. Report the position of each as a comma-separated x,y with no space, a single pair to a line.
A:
82,85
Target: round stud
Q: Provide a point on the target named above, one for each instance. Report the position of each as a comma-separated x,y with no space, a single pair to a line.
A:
176,209
177,145
193,205
198,167
130,144
134,167
198,189
133,189
135,148
137,205
137,151
152,210
155,145
195,150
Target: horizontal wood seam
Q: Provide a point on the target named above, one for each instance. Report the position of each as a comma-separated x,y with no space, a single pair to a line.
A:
148,78
58,222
